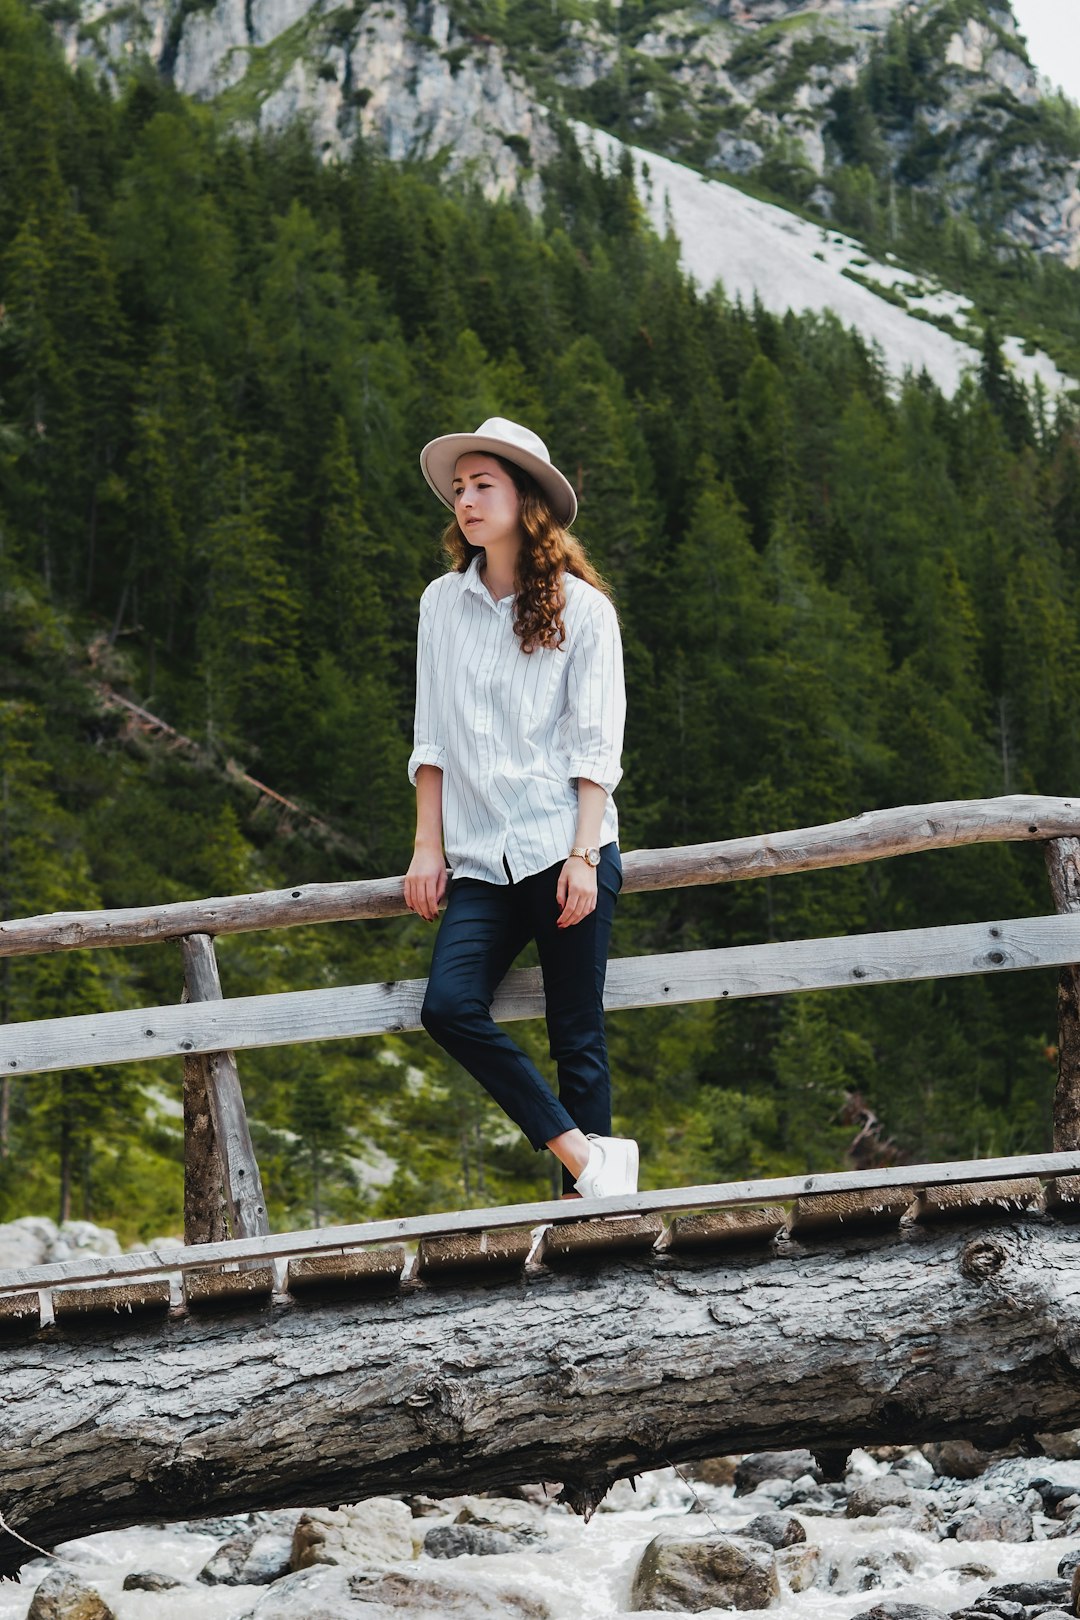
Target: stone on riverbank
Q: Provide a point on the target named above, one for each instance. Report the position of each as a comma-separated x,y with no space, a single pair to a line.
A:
683,1576
255,1556
329,1593
758,1466
799,1566
867,1501
456,1540
776,1529
62,1596
358,1536
149,1580
890,1609
994,1521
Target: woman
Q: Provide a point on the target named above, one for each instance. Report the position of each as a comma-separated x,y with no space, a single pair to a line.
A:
518,736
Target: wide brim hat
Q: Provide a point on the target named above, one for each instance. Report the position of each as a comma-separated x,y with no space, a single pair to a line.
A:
511,441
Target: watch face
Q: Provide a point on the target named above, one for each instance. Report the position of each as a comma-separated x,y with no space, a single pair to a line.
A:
593,857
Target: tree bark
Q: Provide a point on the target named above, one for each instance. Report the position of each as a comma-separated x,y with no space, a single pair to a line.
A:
584,1374
1063,867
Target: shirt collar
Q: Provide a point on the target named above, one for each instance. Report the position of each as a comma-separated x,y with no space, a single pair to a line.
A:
471,581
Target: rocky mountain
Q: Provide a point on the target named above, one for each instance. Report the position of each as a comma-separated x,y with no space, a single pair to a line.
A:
811,100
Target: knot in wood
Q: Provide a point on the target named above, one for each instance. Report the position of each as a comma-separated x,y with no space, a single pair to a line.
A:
981,1259
440,1407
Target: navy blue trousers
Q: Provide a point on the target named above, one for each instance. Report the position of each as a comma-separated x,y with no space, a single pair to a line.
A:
484,927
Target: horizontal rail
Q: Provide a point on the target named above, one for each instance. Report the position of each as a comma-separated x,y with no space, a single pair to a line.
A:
410,1228
873,836
297,1016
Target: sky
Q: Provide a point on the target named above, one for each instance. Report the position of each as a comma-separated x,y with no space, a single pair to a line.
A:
1052,31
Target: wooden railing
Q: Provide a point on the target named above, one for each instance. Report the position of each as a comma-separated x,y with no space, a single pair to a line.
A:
206,1030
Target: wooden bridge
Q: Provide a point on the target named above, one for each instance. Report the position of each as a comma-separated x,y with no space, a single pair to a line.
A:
253,1369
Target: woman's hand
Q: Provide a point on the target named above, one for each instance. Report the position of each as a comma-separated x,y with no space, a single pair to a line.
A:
425,882
576,891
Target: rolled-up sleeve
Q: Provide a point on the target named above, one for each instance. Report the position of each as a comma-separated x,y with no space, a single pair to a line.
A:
597,698
427,748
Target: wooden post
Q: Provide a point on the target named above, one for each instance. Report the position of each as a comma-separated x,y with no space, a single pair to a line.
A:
1063,865
218,1153
204,1178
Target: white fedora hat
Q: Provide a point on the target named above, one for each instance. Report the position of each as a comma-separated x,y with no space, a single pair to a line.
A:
502,438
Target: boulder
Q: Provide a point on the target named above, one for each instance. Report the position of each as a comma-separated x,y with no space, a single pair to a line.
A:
1069,1564
455,1540
680,1575
999,1608
328,1593
363,1535
1056,1592
995,1521
777,1529
62,1596
149,1580
254,1557
799,1567
403,1593
890,1609
866,1501
958,1459
27,1242
494,1514
758,1466
1063,1447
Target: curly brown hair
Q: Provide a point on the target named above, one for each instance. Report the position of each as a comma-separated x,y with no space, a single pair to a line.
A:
548,551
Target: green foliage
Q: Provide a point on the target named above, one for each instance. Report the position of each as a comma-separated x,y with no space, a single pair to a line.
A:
219,363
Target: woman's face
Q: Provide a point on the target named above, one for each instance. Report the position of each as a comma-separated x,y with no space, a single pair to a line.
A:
486,501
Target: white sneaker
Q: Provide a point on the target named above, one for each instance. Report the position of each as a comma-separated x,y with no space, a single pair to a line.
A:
612,1168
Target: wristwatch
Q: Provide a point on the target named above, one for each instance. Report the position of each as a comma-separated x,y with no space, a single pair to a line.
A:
590,856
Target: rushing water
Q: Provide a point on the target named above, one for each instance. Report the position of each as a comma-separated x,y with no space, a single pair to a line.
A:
585,1572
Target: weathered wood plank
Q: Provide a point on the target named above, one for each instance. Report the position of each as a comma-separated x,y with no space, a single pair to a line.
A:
587,1240
150,1296
207,1288
472,1253
949,1332
247,1022
1063,868
980,1202
724,1229
316,1276
234,1154
405,1229
19,1313
875,835
823,1213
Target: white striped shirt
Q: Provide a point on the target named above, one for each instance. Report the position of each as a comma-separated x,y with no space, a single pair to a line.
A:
512,731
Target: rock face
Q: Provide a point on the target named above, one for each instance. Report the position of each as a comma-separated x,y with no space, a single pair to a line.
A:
680,1576
741,86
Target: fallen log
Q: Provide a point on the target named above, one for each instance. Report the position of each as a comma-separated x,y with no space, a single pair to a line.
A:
584,1373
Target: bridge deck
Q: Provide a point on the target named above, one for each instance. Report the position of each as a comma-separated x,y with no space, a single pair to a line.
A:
460,1242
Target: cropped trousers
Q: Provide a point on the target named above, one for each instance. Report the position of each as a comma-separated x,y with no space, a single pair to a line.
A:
484,927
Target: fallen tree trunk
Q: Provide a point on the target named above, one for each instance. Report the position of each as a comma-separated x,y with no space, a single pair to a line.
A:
581,1375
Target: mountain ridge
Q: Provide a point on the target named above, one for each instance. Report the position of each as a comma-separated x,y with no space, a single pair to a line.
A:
816,101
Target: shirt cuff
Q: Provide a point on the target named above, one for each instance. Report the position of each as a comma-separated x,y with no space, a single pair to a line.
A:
596,770
425,754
